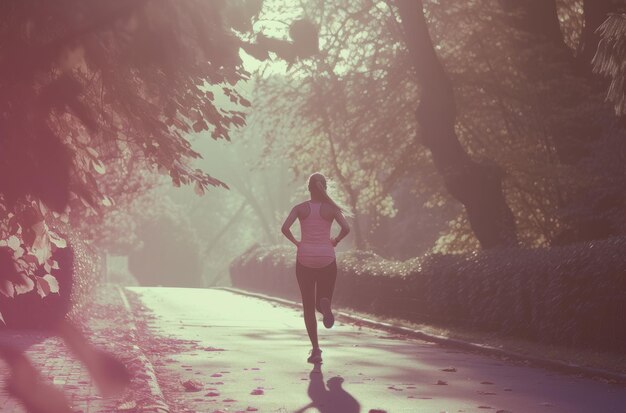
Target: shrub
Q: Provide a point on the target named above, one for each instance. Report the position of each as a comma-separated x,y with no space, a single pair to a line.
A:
79,272
572,295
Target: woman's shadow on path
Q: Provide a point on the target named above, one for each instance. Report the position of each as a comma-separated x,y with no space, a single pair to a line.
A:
334,399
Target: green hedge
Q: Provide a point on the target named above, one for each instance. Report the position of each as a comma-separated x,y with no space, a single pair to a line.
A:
573,295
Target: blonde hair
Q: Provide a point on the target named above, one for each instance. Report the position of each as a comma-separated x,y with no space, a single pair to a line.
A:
318,185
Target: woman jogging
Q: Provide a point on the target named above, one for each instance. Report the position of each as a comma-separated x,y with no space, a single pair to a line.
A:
316,268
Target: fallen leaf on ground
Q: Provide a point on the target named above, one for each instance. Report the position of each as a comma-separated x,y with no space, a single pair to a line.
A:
441,383
449,369
126,406
192,385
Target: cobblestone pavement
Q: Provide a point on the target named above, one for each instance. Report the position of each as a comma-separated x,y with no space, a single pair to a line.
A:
109,326
57,366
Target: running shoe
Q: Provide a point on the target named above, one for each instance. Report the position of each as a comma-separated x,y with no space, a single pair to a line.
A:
315,356
329,318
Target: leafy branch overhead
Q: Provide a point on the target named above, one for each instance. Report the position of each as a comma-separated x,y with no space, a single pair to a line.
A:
86,82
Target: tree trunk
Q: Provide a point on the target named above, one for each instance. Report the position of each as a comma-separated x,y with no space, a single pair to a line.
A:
538,17
549,60
232,221
359,239
573,89
477,186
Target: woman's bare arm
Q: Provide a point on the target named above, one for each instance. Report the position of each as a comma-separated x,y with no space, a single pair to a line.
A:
286,228
345,228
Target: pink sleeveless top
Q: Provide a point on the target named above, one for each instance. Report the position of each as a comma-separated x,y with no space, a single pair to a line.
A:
315,248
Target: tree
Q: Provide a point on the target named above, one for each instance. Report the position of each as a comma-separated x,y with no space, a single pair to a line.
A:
83,80
478,186
579,125
347,112
168,251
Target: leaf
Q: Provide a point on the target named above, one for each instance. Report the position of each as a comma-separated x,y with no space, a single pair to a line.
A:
18,253
57,240
43,289
192,385
25,285
199,189
41,249
200,126
129,406
7,289
13,242
98,166
52,282
92,152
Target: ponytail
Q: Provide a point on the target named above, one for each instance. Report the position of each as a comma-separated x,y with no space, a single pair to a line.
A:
317,183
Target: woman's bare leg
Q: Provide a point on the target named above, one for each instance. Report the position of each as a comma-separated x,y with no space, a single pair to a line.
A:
307,289
25,385
109,374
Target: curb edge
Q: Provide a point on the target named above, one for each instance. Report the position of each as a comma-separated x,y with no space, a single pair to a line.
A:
153,383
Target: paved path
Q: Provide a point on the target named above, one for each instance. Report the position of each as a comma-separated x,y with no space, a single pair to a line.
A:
263,365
